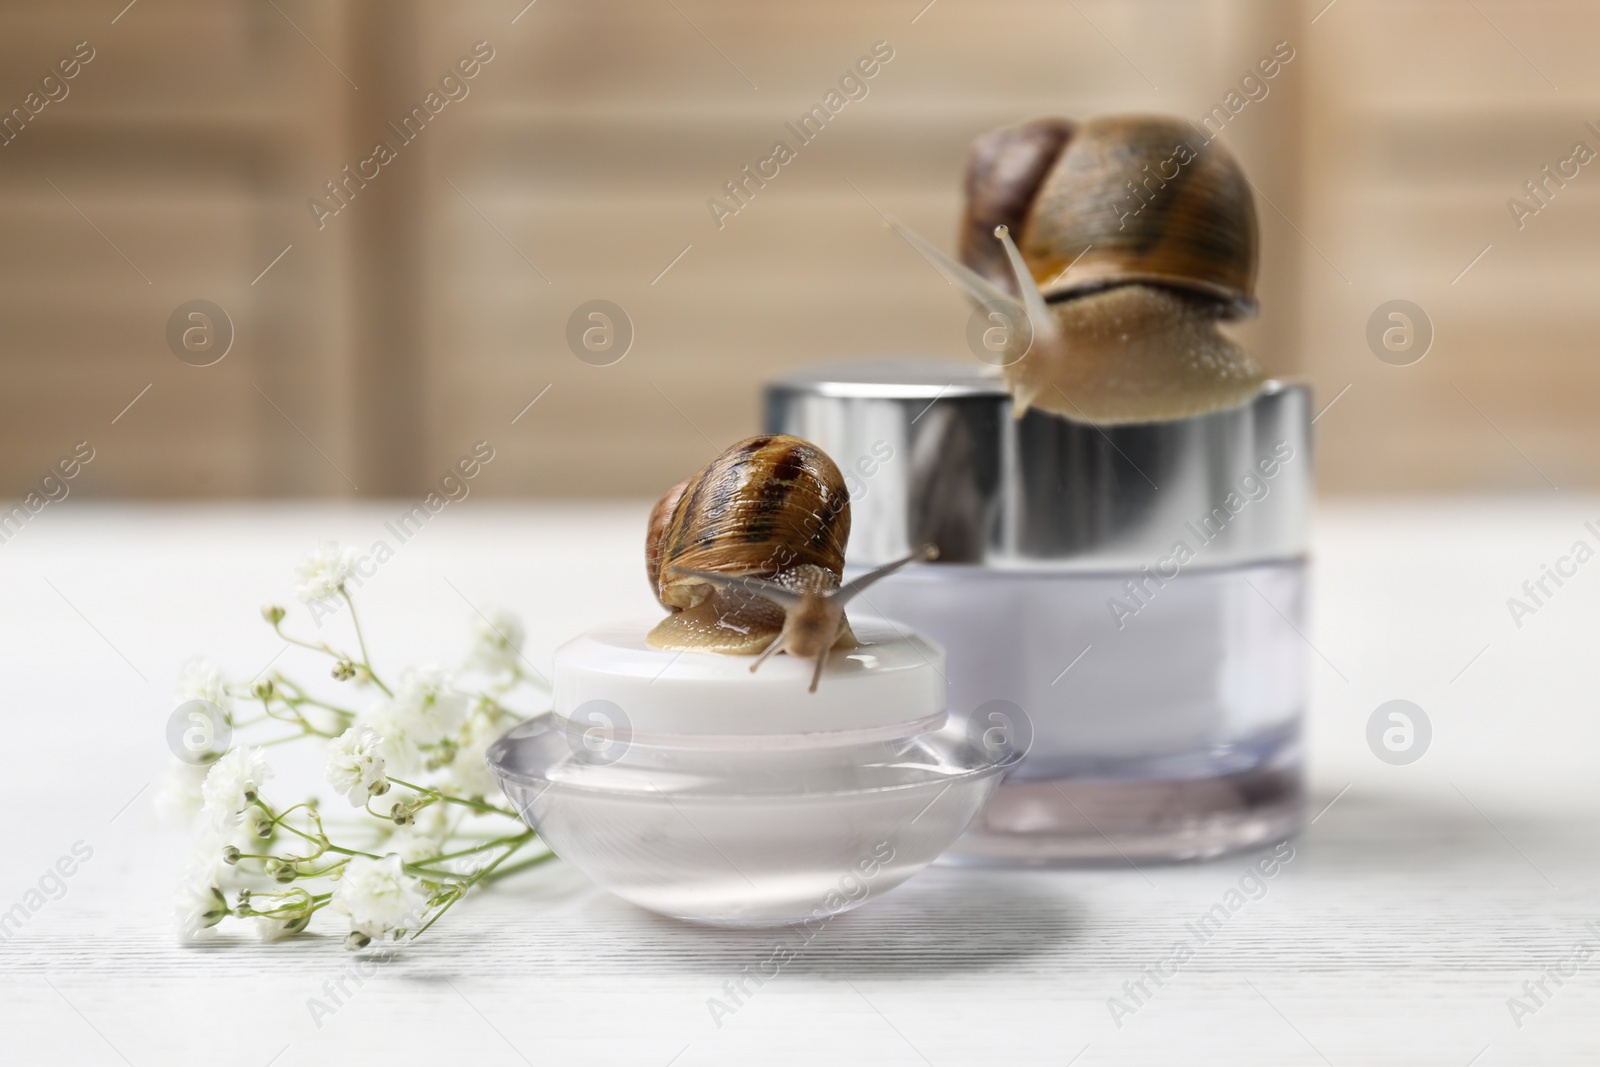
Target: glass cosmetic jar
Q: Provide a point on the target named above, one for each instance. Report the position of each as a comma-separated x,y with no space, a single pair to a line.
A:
1133,595
690,786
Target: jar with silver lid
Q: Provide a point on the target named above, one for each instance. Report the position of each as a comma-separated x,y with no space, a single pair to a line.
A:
1127,601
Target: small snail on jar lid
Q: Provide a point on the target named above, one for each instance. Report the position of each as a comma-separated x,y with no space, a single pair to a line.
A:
1126,246
689,785
748,554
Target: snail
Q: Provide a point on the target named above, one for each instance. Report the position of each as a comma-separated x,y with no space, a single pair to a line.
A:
748,554
1126,246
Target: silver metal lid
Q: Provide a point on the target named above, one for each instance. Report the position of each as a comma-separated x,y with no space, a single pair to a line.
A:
931,452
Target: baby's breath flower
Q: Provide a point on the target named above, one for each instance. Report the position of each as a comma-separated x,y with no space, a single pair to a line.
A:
355,765
323,571
424,710
231,785
270,929
201,905
260,822
468,773
378,896
435,822
497,639
425,730
403,813
290,913
430,706
178,795
413,844
201,679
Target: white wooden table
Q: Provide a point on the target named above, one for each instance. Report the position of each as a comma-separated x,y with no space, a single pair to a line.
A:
1416,905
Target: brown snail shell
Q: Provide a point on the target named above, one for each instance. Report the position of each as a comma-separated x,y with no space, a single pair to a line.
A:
748,554
1119,199
772,507
1108,311
1005,169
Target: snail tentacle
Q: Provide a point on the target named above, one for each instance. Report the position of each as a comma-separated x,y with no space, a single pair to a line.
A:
977,286
1044,331
816,674
772,649
1040,321
849,590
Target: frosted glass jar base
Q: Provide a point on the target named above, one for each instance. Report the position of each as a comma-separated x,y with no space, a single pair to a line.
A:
1072,822
1158,727
768,832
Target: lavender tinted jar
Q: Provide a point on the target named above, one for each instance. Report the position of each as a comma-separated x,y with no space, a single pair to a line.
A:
1129,597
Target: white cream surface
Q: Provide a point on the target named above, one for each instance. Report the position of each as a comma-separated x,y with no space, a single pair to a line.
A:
893,678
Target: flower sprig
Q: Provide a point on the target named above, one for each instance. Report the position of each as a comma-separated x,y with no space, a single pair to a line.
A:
427,824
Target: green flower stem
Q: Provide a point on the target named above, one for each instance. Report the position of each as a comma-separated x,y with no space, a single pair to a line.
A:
366,660
518,838
343,713
298,696
321,840
367,807
506,872
288,912
510,851
291,704
296,906
266,706
290,810
353,852
459,890
329,869
475,805
278,740
322,647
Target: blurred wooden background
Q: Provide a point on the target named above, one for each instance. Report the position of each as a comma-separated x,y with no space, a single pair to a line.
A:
433,308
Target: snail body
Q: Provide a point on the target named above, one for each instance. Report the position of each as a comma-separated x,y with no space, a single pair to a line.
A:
748,554
1134,353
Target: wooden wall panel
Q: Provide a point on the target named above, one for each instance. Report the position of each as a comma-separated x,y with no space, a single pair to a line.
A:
1429,116
596,145
187,144
433,308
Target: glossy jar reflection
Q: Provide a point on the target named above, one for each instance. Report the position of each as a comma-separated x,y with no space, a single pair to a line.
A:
1137,591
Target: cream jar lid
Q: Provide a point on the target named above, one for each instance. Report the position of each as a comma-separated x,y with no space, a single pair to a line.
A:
894,678
930,452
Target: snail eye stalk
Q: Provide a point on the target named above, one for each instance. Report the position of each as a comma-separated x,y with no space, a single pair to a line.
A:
849,590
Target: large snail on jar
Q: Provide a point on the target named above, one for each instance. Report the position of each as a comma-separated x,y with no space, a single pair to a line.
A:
748,554
1127,246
